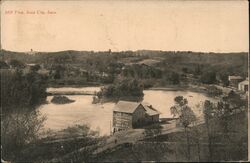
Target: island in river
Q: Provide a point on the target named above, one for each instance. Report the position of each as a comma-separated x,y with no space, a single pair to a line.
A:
58,99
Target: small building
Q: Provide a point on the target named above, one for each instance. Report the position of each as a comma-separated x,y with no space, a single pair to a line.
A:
132,115
152,115
244,85
234,80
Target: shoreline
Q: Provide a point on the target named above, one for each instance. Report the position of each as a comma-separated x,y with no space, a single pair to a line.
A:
192,88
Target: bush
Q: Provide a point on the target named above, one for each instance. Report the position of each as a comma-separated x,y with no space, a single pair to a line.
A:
21,90
123,88
214,91
208,77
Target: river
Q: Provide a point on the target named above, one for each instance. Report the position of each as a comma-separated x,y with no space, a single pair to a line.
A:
99,116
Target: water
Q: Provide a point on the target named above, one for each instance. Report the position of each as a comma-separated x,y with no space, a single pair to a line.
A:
99,116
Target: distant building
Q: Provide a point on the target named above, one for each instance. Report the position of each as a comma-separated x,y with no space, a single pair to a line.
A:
132,114
244,85
234,80
31,52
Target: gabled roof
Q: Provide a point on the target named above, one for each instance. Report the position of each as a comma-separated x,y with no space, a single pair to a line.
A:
149,109
130,107
245,82
235,77
126,106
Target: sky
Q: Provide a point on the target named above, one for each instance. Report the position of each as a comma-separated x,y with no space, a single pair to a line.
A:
99,25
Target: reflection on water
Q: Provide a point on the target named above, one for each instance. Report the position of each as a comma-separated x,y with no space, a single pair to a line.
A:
99,116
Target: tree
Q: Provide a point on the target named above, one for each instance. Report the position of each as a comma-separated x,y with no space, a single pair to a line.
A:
197,70
21,90
179,103
197,134
3,65
224,78
208,112
214,91
229,104
16,63
186,116
19,118
59,72
175,78
122,89
208,77
184,70
18,130
234,100
35,68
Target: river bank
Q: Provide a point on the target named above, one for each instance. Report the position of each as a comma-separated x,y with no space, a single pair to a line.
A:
77,89
201,88
193,88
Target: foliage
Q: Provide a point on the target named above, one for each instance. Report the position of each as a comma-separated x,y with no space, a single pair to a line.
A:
186,116
126,64
208,77
220,115
21,90
180,102
73,144
35,68
16,63
208,110
153,130
213,91
223,76
21,122
141,71
3,65
18,130
175,78
234,100
61,100
123,88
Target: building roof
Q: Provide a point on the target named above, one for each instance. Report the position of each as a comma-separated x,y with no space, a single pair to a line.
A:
245,82
130,107
126,106
234,77
151,111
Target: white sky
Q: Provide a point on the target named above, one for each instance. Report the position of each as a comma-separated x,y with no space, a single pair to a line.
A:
126,25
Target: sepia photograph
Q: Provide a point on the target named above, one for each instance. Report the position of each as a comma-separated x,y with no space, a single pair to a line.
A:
124,81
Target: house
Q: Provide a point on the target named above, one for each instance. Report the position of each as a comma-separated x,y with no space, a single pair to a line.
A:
132,115
234,80
244,85
152,115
